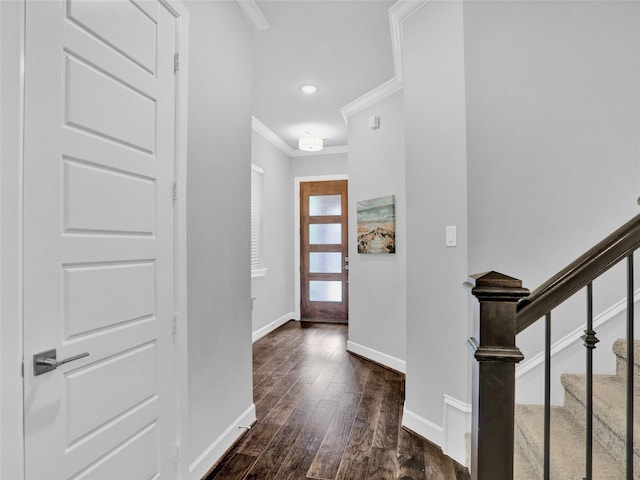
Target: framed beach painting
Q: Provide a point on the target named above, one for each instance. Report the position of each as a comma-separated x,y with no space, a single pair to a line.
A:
376,220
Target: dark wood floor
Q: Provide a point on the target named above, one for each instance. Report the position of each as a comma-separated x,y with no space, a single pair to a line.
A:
326,414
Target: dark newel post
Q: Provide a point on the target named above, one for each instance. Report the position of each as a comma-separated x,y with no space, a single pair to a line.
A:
494,375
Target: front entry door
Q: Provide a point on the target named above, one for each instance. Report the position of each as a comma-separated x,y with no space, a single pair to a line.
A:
98,240
324,292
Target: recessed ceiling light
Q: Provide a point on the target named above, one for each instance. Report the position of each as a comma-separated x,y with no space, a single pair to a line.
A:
309,89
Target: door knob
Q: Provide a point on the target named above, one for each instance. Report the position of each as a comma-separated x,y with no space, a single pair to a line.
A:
44,362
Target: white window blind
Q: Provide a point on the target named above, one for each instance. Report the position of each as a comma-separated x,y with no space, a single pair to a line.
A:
257,175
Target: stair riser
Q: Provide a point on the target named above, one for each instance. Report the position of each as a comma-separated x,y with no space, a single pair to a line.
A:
620,351
621,371
610,440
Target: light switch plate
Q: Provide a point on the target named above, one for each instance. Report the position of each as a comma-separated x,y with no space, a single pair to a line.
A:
451,240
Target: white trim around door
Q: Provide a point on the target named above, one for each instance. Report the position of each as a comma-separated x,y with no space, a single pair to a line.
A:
180,11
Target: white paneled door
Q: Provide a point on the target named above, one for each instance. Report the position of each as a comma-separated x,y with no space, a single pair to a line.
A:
99,160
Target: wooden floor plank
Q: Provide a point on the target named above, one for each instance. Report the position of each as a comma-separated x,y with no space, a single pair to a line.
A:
286,404
326,414
383,464
386,434
237,467
329,455
350,470
267,403
306,447
361,439
274,455
257,439
411,458
437,465
355,373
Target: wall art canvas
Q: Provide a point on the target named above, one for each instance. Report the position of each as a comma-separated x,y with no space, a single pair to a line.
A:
377,225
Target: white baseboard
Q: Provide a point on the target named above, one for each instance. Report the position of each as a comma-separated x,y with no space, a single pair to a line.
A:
452,435
261,332
212,454
456,426
374,355
423,427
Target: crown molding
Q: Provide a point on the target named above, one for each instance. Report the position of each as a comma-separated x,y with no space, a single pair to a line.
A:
398,13
377,94
250,11
271,137
261,129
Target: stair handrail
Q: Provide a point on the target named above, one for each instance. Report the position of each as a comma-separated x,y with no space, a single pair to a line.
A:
505,309
578,274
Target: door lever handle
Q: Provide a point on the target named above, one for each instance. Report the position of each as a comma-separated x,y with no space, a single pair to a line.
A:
44,362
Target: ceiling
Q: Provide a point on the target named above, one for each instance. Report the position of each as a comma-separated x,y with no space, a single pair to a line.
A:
343,47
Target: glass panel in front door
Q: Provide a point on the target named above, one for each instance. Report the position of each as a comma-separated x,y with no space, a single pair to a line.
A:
322,205
325,234
325,262
325,291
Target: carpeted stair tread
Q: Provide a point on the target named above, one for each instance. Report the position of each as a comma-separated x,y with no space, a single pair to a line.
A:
567,445
609,411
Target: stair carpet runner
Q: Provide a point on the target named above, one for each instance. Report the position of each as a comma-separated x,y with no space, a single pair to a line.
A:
568,427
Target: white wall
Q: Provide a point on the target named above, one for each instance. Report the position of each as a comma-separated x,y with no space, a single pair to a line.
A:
436,190
377,283
314,165
219,288
553,110
273,292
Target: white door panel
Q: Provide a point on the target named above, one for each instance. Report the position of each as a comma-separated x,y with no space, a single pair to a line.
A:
99,199
126,115
137,19
98,239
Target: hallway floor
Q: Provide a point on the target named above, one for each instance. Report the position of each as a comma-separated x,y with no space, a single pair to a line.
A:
326,414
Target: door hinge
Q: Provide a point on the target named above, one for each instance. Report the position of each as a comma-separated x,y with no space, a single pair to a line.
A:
176,62
178,453
175,191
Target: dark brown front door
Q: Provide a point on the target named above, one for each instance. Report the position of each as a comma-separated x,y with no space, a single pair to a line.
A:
323,248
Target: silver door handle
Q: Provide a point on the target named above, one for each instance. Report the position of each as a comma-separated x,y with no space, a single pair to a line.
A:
44,362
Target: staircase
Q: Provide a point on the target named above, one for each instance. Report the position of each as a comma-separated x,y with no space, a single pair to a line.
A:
568,431
505,309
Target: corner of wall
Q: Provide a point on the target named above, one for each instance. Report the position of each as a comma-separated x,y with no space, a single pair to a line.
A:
452,436
423,427
456,429
381,358
214,452
261,332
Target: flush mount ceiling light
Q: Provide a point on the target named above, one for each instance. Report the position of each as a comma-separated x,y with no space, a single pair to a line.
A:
309,89
310,143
